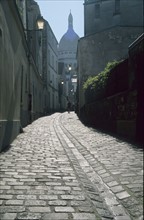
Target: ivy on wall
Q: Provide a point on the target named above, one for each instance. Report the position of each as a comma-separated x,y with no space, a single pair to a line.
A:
98,83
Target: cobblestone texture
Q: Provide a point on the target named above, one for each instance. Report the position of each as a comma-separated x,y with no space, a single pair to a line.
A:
59,169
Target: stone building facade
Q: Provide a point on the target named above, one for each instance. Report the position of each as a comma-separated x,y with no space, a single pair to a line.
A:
50,67
110,26
14,68
43,46
24,88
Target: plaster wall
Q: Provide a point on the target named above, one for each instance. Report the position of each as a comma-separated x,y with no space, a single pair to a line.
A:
37,90
19,77
52,73
13,68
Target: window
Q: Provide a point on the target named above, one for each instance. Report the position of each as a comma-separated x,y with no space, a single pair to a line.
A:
49,56
117,7
22,84
53,81
0,32
26,84
52,61
97,10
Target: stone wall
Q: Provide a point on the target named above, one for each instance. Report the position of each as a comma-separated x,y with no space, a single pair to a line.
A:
102,15
120,109
96,50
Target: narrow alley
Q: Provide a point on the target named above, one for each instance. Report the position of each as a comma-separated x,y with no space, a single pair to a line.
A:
59,169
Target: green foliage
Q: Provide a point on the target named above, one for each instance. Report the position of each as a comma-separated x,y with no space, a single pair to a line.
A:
99,81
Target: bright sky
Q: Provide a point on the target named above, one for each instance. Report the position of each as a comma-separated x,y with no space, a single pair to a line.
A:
56,12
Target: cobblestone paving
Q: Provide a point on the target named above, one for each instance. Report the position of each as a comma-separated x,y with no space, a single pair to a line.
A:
59,169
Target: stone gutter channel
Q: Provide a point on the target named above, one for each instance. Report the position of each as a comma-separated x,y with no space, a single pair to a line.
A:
104,202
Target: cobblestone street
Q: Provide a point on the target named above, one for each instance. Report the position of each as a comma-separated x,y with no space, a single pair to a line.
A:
59,169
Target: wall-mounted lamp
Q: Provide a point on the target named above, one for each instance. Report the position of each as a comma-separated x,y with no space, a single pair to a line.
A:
40,24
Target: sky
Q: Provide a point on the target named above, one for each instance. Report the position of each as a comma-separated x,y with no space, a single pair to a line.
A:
56,12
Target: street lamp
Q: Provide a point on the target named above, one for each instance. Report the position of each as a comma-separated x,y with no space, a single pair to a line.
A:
69,68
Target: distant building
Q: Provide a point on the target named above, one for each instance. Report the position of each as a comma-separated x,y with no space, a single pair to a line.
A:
43,45
34,37
50,67
67,58
110,26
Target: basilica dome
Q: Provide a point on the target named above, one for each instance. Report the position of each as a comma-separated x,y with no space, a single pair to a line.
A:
69,40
